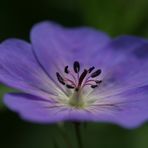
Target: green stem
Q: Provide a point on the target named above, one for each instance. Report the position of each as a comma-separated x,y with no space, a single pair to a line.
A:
65,137
78,134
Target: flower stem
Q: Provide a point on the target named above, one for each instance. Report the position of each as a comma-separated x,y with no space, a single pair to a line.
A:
65,137
78,134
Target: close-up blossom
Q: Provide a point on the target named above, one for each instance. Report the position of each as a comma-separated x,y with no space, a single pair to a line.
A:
76,74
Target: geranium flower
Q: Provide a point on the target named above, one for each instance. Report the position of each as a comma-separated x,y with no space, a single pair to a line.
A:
77,74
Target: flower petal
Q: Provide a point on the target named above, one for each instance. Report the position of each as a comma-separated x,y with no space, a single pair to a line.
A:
55,45
124,68
19,69
128,109
29,107
120,49
35,109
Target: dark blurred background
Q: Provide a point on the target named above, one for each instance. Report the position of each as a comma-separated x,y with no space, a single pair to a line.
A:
115,17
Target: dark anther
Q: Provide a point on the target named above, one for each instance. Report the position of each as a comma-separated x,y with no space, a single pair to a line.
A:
69,86
60,79
96,73
91,69
83,75
76,66
98,81
66,69
79,80
94,86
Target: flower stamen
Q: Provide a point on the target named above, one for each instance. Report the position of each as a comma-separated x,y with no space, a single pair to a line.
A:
96,73
76,66
60,79
81,81
66,69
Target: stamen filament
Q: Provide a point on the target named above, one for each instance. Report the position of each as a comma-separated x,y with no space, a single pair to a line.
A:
74,78
68,80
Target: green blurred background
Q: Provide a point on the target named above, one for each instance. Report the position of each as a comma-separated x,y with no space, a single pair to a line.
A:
115,17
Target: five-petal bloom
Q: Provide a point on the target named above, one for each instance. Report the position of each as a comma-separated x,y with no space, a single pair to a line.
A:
76,74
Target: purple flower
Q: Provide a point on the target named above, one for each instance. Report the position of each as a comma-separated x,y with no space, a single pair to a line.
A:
77,74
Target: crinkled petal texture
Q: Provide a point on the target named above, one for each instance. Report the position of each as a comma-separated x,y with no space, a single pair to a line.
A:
122,98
